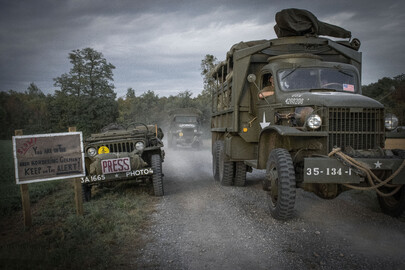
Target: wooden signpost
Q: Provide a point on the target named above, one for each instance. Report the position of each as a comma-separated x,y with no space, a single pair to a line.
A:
45,157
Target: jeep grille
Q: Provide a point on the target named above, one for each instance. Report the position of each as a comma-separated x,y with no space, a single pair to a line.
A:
116,147
360,128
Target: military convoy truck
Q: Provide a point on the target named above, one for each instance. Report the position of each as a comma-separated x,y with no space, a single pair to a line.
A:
185,128
316,131
119,153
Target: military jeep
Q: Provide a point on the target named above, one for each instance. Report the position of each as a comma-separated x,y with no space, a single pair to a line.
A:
119,153
316,131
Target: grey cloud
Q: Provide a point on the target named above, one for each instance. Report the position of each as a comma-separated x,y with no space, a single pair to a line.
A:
158,45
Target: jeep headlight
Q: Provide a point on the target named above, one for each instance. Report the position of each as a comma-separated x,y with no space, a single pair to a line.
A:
140,146
92,151
314,121
391,121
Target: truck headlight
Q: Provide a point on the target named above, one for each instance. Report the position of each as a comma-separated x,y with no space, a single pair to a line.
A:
92,151
314,121
391,121
140,146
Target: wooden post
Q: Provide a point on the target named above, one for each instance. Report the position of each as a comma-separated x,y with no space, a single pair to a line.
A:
25,195
78,189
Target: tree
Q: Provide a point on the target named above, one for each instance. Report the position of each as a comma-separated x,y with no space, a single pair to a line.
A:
88,92
33,90
207,64
391,93
205,98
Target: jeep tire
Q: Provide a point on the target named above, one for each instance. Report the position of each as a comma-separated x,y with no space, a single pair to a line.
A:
157,177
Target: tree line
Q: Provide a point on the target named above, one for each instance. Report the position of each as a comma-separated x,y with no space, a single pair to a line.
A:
85,98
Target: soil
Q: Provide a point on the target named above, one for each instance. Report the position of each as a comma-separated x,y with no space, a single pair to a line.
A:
200,224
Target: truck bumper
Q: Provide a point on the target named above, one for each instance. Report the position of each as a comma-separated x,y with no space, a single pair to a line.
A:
331,170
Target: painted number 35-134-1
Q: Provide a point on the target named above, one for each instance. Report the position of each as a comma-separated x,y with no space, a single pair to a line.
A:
328,171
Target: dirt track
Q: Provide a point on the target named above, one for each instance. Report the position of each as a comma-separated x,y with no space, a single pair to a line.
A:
202,225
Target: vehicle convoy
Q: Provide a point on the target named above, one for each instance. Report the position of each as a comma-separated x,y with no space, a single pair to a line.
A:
185,128
124,153
315,131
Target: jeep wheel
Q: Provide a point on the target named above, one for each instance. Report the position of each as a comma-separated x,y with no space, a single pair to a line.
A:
225,167
240,173
281,177
157,177
86,192
215,163
393,205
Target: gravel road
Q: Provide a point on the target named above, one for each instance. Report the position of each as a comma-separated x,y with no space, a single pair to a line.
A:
202,225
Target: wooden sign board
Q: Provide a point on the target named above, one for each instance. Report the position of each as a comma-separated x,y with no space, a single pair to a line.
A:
45,157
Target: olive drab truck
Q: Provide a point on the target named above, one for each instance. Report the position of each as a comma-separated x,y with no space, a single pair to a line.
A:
185,128
316,131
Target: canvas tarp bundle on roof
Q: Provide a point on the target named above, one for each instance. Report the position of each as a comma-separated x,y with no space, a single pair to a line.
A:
300,22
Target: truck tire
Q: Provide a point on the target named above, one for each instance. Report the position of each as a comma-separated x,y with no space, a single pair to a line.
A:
157,177
281,176
225,167
393,205
240,174
215,163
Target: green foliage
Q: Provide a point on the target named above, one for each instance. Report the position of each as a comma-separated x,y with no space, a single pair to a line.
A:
86,98
59,239
10,197
391,93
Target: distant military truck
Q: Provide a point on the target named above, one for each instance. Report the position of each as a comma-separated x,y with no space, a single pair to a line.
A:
185,128
316,130
124,153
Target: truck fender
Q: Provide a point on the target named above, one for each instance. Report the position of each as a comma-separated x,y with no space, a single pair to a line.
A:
290,138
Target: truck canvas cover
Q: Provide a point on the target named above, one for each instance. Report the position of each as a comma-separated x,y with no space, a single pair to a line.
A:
300,22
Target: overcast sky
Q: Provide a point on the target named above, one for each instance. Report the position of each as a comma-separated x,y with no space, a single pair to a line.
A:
159,45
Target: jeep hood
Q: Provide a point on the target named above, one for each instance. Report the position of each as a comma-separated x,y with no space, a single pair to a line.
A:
329,99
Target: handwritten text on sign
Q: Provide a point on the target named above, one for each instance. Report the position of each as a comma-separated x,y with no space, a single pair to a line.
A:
48,157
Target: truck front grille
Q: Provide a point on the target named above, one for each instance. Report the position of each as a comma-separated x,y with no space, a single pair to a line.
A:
360,128
188,132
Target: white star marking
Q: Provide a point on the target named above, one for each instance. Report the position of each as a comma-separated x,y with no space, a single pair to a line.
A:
264,123
378,164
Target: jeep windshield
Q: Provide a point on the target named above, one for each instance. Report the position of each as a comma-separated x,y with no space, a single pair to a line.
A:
186,119
334,78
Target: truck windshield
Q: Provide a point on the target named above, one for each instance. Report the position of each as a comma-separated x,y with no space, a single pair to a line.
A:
318,78
186,119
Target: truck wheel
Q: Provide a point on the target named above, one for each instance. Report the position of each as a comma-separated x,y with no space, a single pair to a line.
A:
225,167
393,205
157,178
240,173
281,176
86,192
215,163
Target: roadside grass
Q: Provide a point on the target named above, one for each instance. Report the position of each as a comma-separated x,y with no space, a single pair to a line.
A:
10,197
113,222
